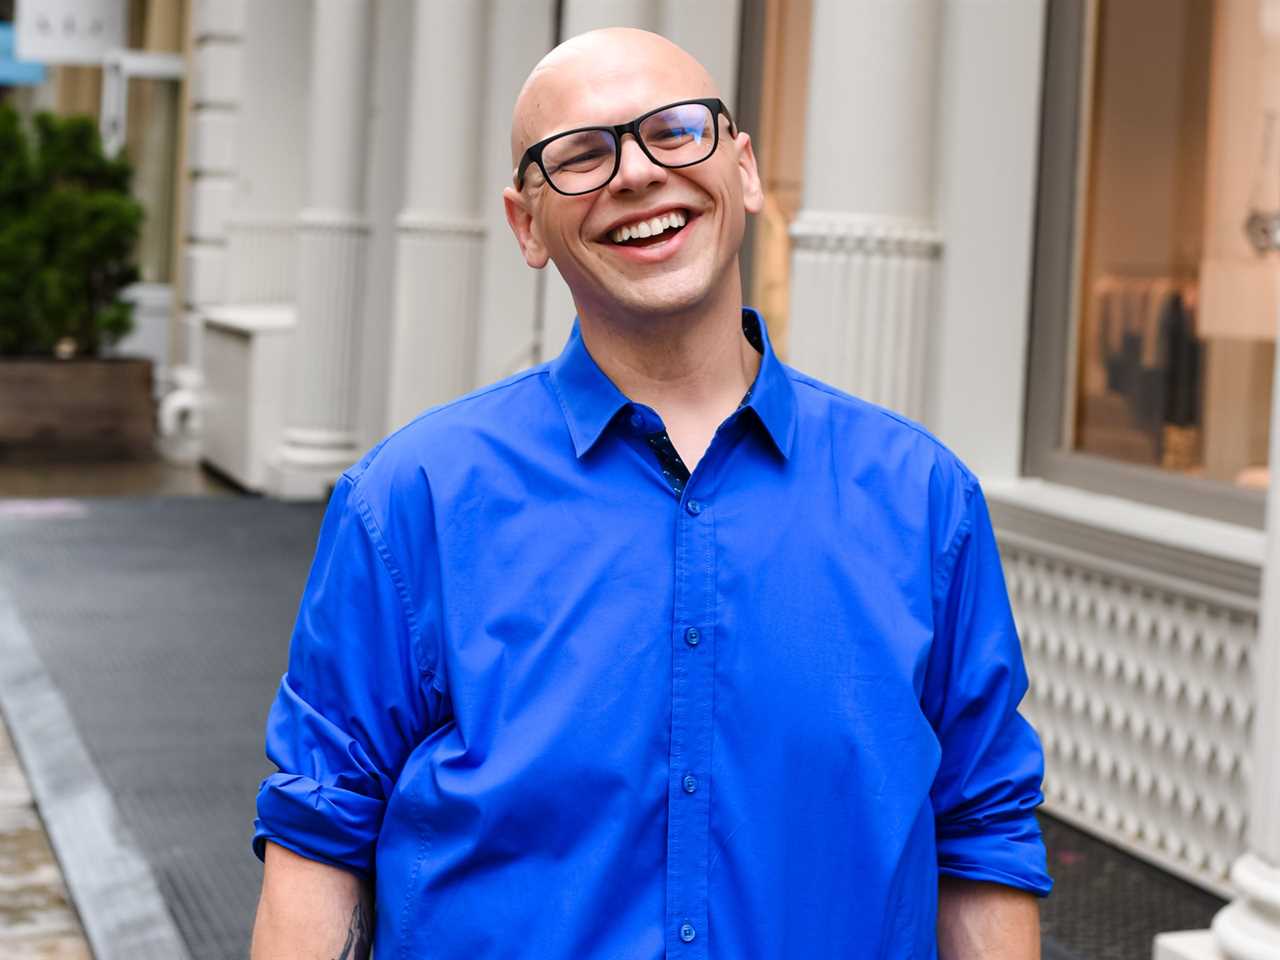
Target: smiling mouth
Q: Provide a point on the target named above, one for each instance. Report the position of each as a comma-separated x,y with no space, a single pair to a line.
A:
646,233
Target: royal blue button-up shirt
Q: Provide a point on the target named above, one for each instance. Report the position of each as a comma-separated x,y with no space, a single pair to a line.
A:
558,708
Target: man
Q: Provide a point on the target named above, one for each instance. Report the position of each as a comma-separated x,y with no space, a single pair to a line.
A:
661,648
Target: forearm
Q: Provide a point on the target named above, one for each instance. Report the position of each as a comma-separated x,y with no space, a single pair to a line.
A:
310,911
986,920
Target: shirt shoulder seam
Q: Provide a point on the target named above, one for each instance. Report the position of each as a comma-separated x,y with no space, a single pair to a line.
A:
803,378
969,481
963,529
374,531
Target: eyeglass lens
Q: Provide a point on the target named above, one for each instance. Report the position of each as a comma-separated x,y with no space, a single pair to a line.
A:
676,137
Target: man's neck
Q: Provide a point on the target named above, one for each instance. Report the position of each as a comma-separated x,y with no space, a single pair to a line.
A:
693,369
692,365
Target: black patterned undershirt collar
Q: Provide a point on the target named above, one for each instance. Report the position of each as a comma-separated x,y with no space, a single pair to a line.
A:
673,467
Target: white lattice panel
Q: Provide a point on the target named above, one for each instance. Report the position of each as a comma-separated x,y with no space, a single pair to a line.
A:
1143,699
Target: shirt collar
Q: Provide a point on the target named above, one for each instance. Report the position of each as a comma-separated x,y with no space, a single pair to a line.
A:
590,400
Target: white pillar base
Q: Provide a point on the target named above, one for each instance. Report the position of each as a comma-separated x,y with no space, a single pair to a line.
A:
309,462
1247,929
320,442
305,482
1187,945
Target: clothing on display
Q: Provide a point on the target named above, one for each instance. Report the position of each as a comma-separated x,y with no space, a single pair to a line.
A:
1151,355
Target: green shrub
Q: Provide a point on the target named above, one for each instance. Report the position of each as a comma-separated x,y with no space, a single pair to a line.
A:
68,237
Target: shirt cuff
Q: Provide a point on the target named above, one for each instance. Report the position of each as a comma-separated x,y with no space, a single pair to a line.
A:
1008,852
319,822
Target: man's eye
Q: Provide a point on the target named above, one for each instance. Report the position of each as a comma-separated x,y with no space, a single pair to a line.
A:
585,159
674,136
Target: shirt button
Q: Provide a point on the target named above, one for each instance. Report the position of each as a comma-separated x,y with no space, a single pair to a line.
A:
687,932
694,507
690,783
692,636
637,421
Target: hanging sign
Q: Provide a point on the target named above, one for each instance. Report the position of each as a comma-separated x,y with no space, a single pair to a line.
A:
13,72
68,31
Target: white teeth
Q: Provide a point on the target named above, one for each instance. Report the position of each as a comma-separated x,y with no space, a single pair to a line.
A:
649,228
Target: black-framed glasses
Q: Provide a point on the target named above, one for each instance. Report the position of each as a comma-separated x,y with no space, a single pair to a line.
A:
584,159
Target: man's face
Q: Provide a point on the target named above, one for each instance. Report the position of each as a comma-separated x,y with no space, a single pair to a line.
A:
686,265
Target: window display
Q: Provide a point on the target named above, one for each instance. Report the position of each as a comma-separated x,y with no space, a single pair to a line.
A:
1177,283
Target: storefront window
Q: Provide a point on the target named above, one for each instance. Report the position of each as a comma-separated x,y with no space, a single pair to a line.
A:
1176,287
151,143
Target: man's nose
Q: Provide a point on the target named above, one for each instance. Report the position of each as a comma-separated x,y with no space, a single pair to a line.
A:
635,170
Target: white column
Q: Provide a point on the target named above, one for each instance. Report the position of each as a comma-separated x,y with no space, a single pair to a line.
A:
988,150
865,246
710,30
271,131
440,231
1249,927
520,32
319,441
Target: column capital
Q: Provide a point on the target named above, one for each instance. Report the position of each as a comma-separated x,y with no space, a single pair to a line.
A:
865,233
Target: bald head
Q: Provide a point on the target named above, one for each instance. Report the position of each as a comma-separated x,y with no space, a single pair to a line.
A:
597,77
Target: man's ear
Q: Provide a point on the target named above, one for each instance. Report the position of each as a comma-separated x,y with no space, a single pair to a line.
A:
752,192
520,219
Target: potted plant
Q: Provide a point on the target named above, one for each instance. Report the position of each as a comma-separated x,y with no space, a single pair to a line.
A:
68,234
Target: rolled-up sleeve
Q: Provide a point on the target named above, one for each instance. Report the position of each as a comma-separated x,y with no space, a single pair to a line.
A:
988,782
357,698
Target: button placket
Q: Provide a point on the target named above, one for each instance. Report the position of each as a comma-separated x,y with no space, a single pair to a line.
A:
688,822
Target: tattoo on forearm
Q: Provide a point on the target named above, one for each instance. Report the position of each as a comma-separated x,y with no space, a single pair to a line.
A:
359,935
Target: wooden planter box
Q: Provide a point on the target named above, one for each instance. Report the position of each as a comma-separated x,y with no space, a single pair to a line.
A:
81,409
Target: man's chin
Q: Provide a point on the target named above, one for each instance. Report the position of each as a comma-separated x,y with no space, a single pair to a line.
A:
677,292
660,303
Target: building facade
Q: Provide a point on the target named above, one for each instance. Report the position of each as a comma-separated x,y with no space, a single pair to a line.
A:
1019,222
1046,229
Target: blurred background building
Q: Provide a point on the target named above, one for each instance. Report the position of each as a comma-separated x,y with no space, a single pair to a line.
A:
1047,229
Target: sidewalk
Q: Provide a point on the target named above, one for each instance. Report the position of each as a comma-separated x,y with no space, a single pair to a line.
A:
37,921
162,627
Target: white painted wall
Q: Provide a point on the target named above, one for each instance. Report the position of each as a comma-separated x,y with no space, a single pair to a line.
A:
988,148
